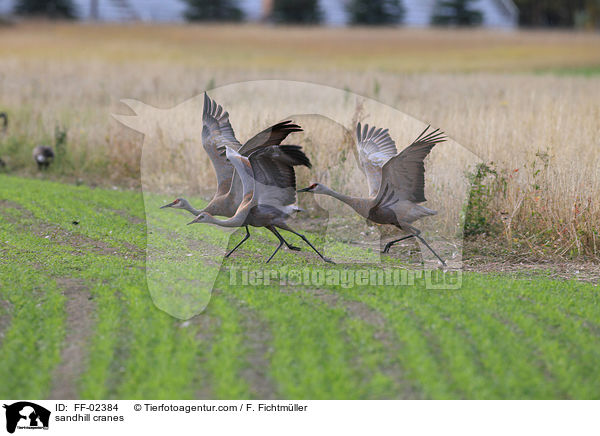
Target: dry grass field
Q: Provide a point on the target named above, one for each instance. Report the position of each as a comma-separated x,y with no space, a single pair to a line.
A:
98,283
526,103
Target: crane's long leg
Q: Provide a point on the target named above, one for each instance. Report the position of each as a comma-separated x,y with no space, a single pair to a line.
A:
281,238
240,243
289,229
281,242
416,234
389,244
430,249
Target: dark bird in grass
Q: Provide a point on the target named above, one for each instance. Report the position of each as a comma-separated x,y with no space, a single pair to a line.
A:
3,128
217,133
4,118
396,181
269,192
43,156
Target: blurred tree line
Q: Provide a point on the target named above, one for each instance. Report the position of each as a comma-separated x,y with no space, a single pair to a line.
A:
533,13
213,10
456,13
379,12
296,12
368,12
559,13
46,8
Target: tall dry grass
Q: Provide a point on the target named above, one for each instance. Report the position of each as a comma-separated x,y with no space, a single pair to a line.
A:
540,131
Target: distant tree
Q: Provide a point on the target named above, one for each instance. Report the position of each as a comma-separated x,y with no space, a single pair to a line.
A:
456,13
590,16
213,10
556,13
46,8
375,12
296,11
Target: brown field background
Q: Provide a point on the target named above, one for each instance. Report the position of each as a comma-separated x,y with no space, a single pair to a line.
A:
528,102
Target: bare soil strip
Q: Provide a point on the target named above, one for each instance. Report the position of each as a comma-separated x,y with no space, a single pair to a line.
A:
79,310
553,269
5,318
63,237
206,322
258,340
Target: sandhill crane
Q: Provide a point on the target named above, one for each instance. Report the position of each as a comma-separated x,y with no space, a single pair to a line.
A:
269,192
396,181
182,203
43,156
216,134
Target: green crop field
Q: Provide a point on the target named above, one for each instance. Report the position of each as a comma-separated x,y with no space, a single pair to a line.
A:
77,320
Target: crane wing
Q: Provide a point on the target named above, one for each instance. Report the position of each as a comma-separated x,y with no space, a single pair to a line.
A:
375,148
270,136
274,175
404,174
216,134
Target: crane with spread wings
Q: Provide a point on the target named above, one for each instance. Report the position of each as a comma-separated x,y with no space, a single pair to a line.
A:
396,181
216,134
269,192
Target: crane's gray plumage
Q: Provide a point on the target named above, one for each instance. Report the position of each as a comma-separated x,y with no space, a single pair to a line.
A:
269,192
217,134
182,203
273,173
396,181
375,148
268,174
405,172
273,135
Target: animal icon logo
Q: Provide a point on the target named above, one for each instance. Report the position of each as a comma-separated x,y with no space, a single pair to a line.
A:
26,415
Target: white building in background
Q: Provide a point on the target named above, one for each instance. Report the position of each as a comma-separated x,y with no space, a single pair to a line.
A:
418,13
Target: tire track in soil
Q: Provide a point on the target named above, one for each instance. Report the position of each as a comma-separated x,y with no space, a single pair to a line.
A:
60,236
5,318
80,309
258,342
206,328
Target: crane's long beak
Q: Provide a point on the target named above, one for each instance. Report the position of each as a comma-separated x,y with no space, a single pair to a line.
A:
307,189
194,221
168,205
